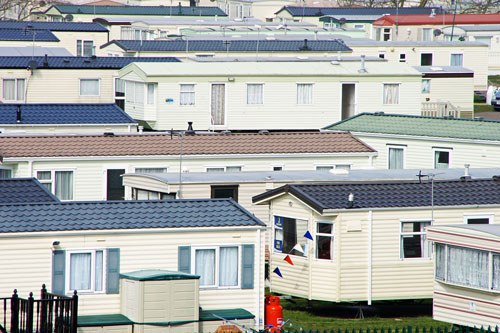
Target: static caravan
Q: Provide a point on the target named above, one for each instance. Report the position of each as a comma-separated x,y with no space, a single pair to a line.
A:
467,274
408,142
367,241
206,253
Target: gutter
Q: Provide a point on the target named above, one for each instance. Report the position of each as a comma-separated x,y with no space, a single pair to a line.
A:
338,211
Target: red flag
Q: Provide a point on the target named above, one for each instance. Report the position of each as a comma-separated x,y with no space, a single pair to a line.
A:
288,260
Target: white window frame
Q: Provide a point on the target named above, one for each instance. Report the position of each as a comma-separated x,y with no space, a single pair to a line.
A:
262,94
82,47
420,58
435,150
457,53
91,79
332,166
331,236
92,251
150,93
426,89
193,93
426,34
16,91
217,264
402,57
398,84
384,33
9,169
273,237
311,97
134,98
273,166
359,26
151,167
414,233
487,215
224,167
52,180
393,146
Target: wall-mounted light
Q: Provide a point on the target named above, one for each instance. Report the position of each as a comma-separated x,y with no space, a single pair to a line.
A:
56,243
231,79
350,200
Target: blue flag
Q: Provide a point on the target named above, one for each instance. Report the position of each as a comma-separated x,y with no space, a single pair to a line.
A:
277,271
308,235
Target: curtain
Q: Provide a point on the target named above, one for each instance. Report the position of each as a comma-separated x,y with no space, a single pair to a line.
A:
139,93
5,173
9,89
396,156
457,60
64,185
150,170
467,267
151,93
99,267
80,273
228,266
119,87
88,48
255,93
89,87
216,170
496,272
324,168
440,261
391,93
426,86
20,90
304,93
205,266
233,169
218,104
187,94
79,48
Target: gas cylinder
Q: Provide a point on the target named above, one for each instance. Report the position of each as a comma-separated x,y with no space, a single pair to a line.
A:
274,313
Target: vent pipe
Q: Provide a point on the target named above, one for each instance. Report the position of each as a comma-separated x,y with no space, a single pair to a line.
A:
18,114
190,130
363,68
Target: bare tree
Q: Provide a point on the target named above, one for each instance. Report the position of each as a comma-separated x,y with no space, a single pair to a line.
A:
22,9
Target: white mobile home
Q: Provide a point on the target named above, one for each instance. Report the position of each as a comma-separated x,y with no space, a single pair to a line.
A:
89,167
426,142
266,94
215,246
467,274
366,241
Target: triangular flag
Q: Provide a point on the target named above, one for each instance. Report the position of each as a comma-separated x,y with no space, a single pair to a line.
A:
277,271
297,247
288,260
308,235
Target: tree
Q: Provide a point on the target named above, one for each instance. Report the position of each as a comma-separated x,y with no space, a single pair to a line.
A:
22,9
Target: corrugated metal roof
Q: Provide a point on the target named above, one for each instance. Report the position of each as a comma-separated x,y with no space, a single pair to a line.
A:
27,35
446,19
393,194
223,45
112,215
321,11
23,190
54,26
78,62
420,126
165,144
257,68
139,10
63,114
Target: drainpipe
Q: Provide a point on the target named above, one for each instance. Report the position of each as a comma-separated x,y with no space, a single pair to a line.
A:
370,259
258,318
30,168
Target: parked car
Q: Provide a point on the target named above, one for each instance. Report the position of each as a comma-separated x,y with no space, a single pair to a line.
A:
495,101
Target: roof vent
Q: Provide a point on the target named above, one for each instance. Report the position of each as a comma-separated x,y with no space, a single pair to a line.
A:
190,130
350,200
363,67
264,132
226,132
496,178
46,60
305,47
109,134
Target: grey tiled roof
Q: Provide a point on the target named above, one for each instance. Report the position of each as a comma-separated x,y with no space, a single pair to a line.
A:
320,11
54,26
27,35
140,10
112,215
78,62
23,190
393,194
232,46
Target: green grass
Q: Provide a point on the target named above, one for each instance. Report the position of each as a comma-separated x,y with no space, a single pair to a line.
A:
318,315
481,107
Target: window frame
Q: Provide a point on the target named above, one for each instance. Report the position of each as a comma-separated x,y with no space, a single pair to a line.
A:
93,252
386,34
395,146
427,89
217,248
331,236
490,216
402,57
52,181
261,84
311,97
150,93
16,90
134,96
432,58
414,233
80,45
333,166
224,167
441,150
191,93
398,85
276,227
11,170
234,188
457,54
150,167
98,86
426,34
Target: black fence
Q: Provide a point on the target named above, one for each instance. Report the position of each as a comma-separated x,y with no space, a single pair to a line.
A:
49,314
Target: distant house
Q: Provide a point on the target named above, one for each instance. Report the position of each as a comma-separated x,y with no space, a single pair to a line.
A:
23,190
367,241
467,274
266,94
81,39
89,167
77,79
86,13
64,118
215,246
426,142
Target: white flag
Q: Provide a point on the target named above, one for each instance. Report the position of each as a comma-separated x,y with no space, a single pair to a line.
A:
297,247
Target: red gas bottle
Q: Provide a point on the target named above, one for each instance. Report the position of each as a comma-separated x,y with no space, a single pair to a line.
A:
274,313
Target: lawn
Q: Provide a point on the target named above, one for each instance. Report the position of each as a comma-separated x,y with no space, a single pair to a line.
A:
317,315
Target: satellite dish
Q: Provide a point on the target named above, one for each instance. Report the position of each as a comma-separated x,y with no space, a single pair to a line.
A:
32,65
437,32
68,18
342,21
